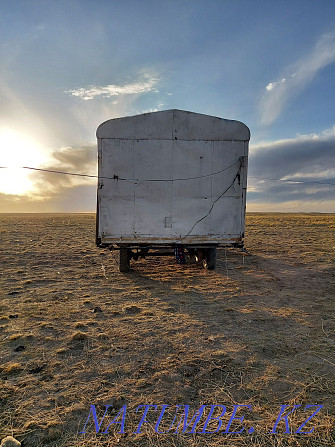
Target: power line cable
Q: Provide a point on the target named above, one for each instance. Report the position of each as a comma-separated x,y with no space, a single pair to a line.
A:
116,177
291,181
188,178
61,172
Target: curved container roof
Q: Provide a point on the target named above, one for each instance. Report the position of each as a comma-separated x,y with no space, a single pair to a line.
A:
174,125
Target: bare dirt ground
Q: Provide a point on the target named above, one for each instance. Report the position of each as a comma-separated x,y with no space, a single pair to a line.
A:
256,331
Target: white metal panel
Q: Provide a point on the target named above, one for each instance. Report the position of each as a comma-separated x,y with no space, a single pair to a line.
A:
191,198
227,158
205,187
153,199
116,212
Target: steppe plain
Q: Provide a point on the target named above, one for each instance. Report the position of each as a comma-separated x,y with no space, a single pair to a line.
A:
74,331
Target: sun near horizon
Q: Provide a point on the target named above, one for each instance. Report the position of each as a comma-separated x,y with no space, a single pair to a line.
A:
18,150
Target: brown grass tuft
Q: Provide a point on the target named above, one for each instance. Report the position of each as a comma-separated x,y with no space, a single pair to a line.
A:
15,336
12,368
79,336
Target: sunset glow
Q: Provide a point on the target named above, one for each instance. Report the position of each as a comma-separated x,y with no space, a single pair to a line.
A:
18,150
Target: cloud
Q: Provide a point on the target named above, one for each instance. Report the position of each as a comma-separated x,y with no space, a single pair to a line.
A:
295,78
80,160
272,85
146,85
309,159
81,157
304,154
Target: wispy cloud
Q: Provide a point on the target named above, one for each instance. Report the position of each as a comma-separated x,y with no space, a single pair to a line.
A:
295,78
272,85
145,85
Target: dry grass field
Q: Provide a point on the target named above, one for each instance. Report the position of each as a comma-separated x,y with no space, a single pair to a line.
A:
256,331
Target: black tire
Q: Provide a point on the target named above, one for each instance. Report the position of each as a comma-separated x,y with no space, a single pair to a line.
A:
209,260
200,254
124,265
192,256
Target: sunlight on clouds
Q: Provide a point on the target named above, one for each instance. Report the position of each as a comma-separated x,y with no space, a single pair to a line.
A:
148,84
325,135
17,150
296,78
313,175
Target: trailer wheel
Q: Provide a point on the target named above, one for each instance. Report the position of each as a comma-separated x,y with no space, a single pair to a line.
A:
209,260
124,265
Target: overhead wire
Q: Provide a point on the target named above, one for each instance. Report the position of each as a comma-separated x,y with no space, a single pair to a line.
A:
116,177
292,181
59,172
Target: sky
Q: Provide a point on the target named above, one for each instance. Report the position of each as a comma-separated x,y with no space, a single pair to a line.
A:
68,65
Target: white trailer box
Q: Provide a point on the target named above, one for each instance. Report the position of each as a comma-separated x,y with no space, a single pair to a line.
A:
171,177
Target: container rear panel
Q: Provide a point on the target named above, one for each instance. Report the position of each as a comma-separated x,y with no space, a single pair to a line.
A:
145,206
